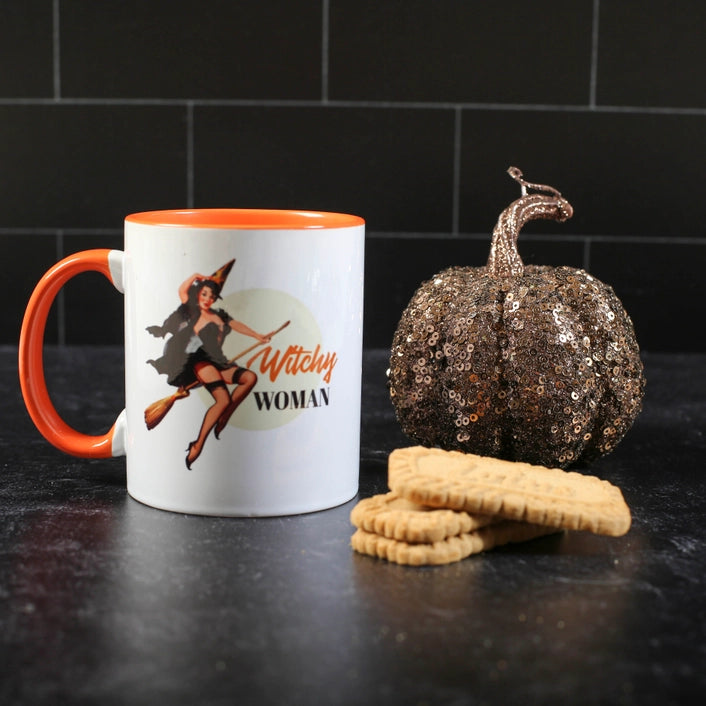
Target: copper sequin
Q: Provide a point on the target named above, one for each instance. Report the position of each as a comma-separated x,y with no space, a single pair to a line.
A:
538,364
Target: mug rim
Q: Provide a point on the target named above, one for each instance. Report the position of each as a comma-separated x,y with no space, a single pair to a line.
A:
245,218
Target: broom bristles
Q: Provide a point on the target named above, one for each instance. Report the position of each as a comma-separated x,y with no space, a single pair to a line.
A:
158,410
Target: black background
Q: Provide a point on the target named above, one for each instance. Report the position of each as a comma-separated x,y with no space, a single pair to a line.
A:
405,112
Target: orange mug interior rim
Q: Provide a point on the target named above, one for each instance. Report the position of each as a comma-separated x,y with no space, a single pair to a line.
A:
245,218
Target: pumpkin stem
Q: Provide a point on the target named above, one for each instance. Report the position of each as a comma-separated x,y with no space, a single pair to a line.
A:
504,259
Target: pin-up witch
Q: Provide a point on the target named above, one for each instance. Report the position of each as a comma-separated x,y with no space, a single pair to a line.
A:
193,354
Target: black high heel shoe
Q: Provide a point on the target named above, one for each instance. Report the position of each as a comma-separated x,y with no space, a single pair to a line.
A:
188,452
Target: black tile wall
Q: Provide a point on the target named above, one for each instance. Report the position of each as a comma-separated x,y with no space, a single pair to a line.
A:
25,258
490,52
625,174
92,308
406,112
26,49
660,285
86,166
191,49
361,160
652,54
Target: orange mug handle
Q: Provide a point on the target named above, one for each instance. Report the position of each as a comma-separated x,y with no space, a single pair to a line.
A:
31,361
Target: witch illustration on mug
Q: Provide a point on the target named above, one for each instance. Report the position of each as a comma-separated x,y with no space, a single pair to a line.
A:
193,355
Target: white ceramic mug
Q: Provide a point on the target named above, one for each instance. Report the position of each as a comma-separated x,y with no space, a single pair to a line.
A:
243,355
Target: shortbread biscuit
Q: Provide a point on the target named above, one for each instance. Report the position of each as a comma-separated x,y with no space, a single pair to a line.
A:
391,516
515,491
448,550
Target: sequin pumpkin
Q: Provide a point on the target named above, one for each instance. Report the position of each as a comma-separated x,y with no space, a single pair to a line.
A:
526,363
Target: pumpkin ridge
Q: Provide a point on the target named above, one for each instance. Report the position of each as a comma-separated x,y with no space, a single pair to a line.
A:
507,436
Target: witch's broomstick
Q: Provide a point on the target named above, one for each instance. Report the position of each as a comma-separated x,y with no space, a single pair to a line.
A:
158,410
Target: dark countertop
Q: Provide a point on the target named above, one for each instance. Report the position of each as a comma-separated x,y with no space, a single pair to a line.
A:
106,601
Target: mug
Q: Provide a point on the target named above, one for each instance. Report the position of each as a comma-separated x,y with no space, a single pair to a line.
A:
243,359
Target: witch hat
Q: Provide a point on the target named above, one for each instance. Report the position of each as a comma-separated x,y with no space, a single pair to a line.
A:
220,275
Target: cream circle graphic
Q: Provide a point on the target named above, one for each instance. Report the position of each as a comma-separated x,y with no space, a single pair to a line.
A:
283,390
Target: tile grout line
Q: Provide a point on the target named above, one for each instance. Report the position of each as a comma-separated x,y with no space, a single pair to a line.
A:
541,237
67,232
190,154
325,14
60,300
373,105
456,178
594,55
56,50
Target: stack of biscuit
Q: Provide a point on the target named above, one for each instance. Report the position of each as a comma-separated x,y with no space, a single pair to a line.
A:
444,506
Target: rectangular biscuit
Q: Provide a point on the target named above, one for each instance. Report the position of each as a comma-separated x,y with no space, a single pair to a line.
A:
448,550
516,491
395,517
